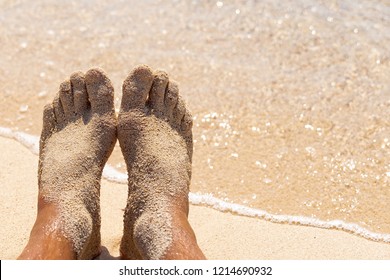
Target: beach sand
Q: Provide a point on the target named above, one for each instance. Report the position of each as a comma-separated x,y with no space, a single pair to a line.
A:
220,235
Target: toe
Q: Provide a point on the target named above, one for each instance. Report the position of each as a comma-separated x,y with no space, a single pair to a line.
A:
80,95
186,123
178,112
66,98
100,91
157,93
186,132
58,110
49,122
136,88
171,98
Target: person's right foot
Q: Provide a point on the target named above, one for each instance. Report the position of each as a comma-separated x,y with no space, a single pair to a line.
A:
154,132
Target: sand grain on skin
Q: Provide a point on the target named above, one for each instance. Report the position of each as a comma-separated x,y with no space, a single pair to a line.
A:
79,133
156,145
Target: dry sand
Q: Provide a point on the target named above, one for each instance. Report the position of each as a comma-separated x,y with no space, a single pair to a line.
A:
220,235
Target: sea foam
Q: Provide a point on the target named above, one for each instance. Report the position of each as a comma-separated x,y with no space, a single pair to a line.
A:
111,174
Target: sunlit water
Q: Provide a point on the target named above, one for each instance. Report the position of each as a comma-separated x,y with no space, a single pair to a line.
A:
291,99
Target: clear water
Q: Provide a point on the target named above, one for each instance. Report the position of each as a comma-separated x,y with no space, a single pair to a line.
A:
291,99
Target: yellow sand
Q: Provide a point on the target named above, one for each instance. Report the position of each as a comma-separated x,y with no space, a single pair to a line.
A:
220,235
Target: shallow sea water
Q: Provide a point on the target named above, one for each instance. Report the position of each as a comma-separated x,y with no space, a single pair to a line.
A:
291,99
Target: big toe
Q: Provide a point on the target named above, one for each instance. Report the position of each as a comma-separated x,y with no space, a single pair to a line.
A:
136,88
100,91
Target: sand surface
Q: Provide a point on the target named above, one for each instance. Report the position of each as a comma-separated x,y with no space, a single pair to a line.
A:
220,235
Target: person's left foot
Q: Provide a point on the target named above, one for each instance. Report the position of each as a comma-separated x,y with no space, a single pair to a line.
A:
78,136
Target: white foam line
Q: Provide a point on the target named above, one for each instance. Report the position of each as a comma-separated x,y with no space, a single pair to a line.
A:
31,142
220,205
111,174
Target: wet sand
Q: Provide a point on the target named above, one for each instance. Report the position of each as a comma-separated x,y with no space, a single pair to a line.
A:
220,235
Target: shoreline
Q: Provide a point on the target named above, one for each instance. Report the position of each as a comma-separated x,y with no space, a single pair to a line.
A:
221,236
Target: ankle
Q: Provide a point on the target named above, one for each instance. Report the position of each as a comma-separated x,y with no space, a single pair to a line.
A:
184,245
152,234
67,225
47,240
165,235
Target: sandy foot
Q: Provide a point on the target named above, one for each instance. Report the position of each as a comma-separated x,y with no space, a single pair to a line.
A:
154,131
79,134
